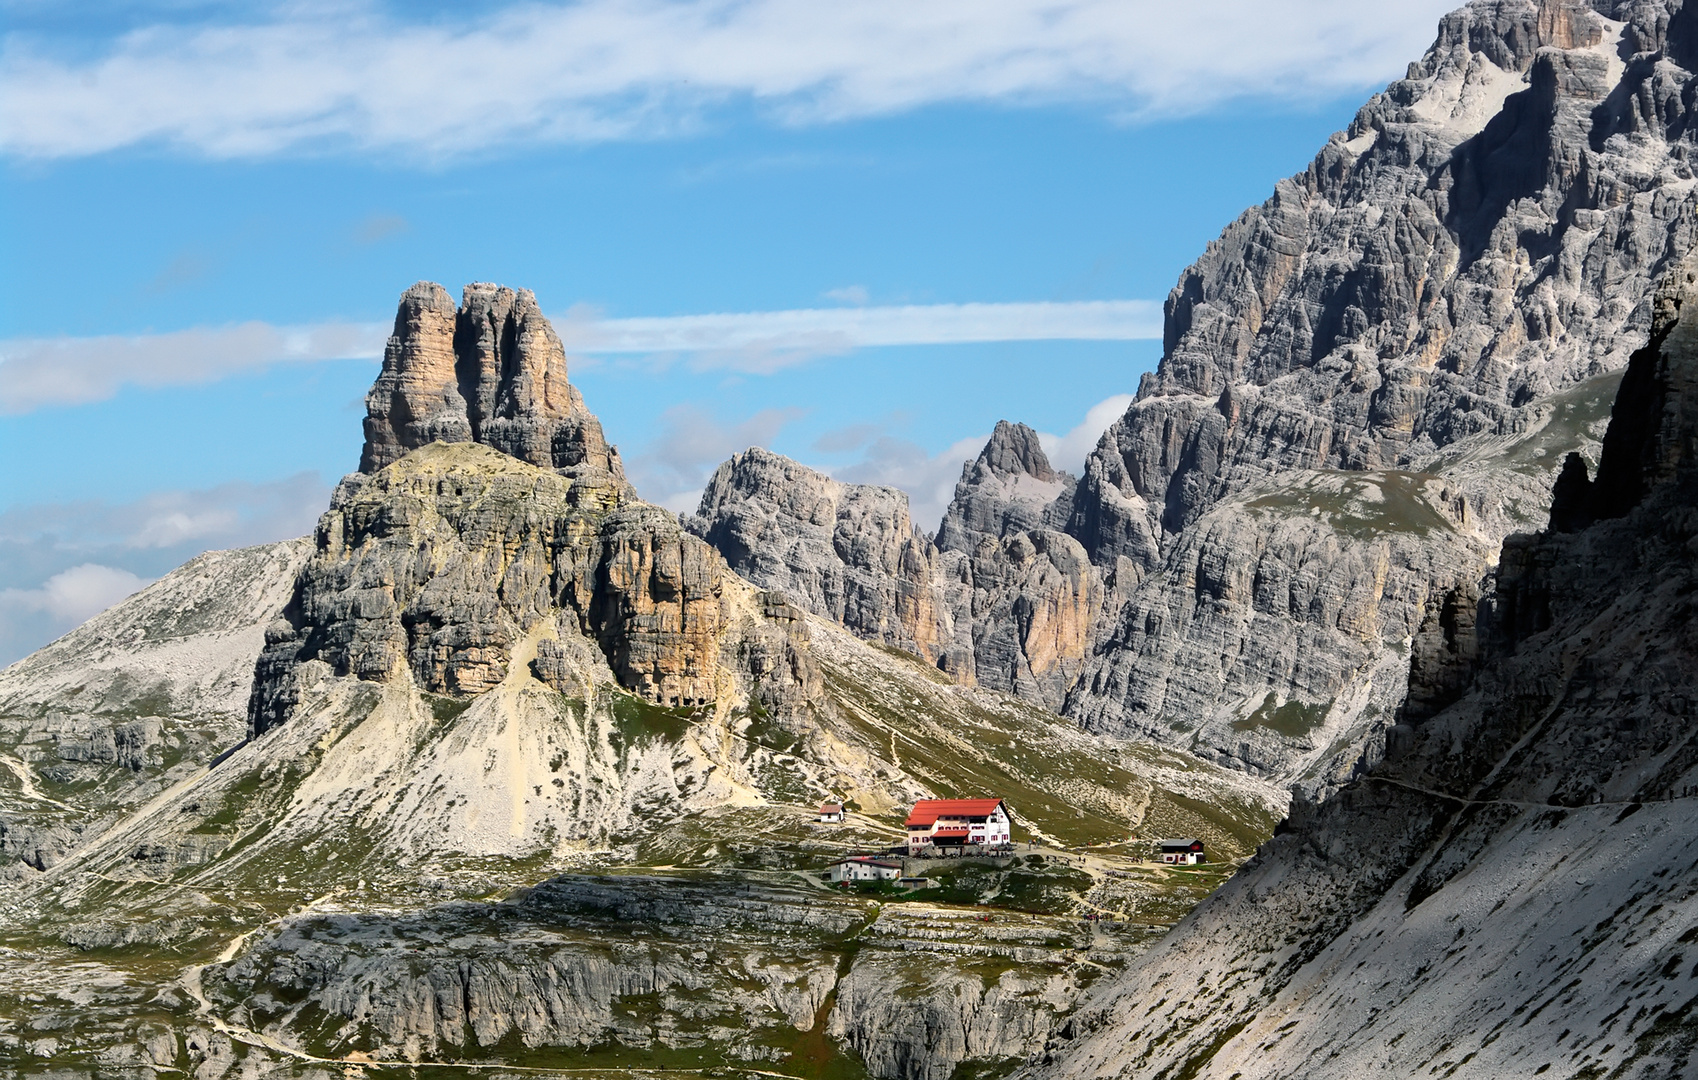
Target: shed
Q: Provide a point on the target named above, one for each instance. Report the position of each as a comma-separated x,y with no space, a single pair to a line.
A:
832,813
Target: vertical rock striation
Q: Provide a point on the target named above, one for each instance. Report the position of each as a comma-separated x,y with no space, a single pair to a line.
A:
1003,598
1510,887
492,371
490,518
848,552
1420,308
1367,382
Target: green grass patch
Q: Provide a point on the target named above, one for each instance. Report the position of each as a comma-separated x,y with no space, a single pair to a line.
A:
1365,505
637,721
447,709
1294,719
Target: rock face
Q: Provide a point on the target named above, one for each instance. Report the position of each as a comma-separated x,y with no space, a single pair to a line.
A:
1514,886
493,371
147,692
1367,382
729,971
492,666
1002,599
1011,488
1417,310
490,513
848,552
440,564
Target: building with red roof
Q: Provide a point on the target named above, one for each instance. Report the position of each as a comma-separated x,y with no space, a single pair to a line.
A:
936,824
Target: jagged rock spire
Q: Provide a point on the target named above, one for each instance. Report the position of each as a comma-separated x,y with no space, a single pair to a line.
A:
1014,450
491,371
1009,488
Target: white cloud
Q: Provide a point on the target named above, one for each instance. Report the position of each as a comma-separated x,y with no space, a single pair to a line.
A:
340,76
928,479
672,470
849,294
177,526
39,372
36,372
759,342
75,595
1069,451
61,563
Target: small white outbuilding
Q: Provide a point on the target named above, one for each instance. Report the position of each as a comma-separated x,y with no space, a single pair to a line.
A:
865,868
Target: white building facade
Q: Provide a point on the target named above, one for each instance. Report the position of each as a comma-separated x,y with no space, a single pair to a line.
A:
864,868
958,826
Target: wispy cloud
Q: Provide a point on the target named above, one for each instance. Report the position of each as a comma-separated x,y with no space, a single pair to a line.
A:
73,596
849,294
319,75
929,479
1069,451
380,227
673,468
761,341
39,372
61,563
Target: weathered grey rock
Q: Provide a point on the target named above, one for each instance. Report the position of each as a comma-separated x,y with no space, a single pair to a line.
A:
436,568
1002,599
1367,382
134,700
847,552
1429,305
488,507
493,371
1504,894
1009,489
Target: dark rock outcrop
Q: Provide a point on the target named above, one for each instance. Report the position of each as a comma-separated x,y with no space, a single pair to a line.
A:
1509,891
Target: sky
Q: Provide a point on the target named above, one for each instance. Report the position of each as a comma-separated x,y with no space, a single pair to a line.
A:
855,234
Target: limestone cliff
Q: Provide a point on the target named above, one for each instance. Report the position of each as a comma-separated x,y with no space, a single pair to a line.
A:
492,371
848,552
1512,892
1367,382
1404,341
1003,598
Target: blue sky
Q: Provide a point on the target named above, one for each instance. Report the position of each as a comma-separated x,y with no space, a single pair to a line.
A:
207,212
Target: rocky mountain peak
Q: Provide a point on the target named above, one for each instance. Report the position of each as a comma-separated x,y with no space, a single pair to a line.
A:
1521,828
1009,488
848,552
1014,450
492,371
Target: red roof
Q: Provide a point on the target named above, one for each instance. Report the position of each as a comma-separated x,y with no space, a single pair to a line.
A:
948,834
927,811
831,808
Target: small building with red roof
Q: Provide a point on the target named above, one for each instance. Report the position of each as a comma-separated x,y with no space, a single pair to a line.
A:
936,824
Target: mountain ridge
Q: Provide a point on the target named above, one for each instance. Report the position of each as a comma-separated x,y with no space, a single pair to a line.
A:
1510,891
1367,382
